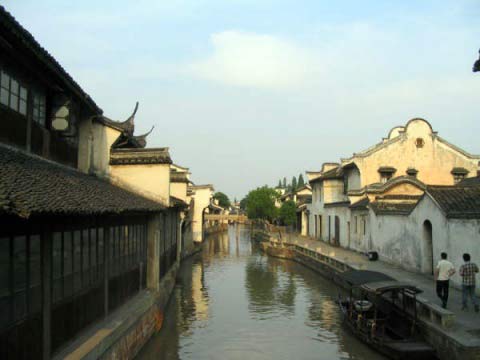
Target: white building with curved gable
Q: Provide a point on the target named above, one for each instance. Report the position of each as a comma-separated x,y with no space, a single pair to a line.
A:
368,202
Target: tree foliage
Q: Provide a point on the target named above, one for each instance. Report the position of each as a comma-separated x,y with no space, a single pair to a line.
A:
287,214
301,181
260,203
223,199
294,184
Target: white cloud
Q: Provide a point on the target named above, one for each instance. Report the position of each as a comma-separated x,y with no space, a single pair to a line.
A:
254,60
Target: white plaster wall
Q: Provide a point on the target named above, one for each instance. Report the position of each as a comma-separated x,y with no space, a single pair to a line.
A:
360,240
333,191
149,180
179,190
343,213
84,145
434,161
400,240
392,237
202,198
453,236
102,139
354,180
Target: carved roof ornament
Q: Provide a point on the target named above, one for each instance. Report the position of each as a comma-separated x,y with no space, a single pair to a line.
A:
130,122
141,140
127,127
476,65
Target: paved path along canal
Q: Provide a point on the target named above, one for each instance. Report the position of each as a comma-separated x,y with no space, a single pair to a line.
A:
232,302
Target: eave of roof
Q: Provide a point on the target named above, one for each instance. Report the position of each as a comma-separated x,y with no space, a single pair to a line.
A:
457,202
140,156
31,185
42,55
361,204
337,204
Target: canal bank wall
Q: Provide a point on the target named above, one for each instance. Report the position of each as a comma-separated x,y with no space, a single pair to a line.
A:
437,324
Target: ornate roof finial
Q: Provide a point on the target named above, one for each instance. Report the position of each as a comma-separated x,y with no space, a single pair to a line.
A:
130,122
476,65
142,139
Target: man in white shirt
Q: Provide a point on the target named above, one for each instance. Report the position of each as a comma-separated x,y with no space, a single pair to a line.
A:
443,272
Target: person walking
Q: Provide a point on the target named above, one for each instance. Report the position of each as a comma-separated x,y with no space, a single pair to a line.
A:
468,271
443,272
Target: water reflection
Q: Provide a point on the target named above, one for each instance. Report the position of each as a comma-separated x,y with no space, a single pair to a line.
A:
232,302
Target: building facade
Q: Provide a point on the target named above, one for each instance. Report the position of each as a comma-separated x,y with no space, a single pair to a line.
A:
90,218
376,199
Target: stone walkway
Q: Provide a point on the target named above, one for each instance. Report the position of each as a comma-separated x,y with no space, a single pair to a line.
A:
467,322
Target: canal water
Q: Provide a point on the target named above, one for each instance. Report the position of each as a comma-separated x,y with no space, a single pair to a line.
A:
233,302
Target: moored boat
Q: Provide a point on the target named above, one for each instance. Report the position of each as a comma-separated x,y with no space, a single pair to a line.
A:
381,312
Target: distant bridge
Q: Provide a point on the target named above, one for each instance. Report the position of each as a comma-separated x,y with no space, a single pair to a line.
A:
224,217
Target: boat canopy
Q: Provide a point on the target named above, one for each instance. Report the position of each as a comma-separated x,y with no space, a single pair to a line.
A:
375,282
380,287
361,277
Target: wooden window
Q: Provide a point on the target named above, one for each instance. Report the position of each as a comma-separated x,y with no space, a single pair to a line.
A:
364,227
35,277
57,262
13,94
39,105
5,275
77,257
356,225
67,263
20,275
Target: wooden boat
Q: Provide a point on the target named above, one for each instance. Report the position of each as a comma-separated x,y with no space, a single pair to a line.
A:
381,312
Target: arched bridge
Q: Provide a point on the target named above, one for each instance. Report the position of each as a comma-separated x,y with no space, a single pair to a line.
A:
229,218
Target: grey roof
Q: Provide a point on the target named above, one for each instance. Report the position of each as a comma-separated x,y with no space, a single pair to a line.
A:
461,202
392,208
361,204
30,185
472,181
336,173
140,156
178,177
24,41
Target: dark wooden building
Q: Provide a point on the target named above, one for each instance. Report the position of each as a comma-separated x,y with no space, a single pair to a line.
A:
73,247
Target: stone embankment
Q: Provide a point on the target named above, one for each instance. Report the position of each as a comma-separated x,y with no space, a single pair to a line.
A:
454,337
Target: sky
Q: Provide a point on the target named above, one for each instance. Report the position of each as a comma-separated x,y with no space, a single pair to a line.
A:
245,92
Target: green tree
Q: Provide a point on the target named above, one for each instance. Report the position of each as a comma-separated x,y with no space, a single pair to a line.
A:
223,199
261,203
243,203
294,184
301,181
284,182
287,213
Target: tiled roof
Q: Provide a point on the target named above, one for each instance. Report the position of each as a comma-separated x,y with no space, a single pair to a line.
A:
337,204
176,202
457,201
335,173
30,185
26,40
392,208
360,205
178,177
459,170
140,156
473,181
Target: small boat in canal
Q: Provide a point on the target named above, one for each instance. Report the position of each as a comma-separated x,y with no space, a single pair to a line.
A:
381,312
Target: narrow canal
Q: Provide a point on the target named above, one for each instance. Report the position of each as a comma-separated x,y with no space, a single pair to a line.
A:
233,302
